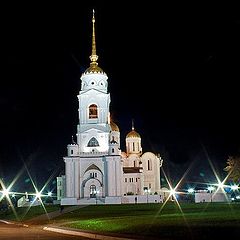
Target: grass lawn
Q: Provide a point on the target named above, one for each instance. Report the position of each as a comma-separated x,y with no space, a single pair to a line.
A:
192,221
25,213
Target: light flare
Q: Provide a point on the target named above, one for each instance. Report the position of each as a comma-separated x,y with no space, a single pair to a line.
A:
6,193
220,184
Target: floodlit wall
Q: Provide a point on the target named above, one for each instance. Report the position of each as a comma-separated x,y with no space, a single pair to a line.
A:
211,197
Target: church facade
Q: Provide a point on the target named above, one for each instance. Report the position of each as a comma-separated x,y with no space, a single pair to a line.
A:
95,167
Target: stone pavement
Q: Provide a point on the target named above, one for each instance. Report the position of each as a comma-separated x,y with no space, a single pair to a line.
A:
92,235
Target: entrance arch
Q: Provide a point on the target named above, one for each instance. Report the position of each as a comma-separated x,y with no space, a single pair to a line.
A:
91,188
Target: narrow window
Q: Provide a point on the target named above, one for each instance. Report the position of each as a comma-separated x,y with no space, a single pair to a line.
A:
149,167
95,174
125,179
112,150
134,163
71,151
133,147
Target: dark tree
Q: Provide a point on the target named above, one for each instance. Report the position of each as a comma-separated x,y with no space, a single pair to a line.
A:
233,168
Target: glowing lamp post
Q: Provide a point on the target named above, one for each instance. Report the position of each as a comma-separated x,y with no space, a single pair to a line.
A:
147,191
26,196
49,194
96,193
5,192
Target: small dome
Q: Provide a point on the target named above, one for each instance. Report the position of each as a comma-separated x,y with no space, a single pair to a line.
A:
94,68
114,126
133,134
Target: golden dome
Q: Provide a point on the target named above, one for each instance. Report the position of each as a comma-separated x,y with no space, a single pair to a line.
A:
133,134
114,126
94,68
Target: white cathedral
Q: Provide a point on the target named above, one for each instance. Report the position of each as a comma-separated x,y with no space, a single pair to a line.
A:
96,170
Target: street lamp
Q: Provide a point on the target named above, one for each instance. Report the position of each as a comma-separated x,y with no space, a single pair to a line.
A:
147,191
5,192
96,193
26,196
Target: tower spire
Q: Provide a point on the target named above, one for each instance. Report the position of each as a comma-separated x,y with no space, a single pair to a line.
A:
132,124
94,56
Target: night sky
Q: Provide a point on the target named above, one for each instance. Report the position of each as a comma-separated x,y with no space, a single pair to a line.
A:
173,68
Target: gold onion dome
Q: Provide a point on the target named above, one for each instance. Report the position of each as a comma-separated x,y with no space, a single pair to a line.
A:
114,126
133,134
94,68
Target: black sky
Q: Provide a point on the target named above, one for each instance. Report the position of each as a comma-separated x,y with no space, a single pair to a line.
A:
173,68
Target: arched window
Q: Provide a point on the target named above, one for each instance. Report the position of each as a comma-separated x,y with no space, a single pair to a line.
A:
93,113
93,142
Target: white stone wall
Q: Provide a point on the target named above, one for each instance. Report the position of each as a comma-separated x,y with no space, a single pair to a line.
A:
94,80
142,199
102,100
151,171
69,172
101,136
114,176
133,145
132,183
116,136
132,160
201,197
72,150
